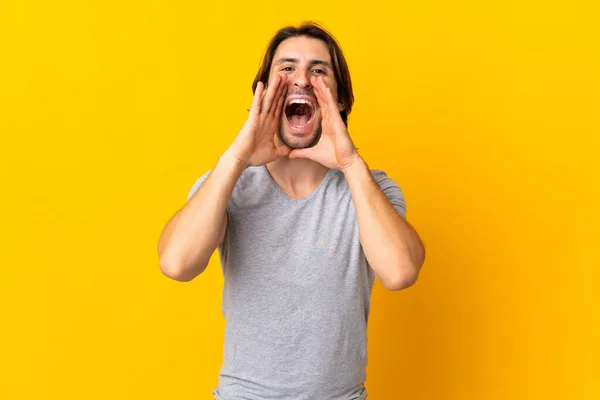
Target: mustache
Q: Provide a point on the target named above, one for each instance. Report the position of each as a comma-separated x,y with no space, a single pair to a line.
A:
300,92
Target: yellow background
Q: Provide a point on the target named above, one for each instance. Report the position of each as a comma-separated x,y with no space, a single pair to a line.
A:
485,112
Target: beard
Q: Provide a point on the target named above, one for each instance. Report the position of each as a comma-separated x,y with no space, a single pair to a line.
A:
298,141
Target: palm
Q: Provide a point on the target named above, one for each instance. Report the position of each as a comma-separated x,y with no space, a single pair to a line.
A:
255,144
260,141
335,148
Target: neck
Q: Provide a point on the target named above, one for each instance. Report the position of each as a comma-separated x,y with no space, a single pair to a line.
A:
296,169
297,177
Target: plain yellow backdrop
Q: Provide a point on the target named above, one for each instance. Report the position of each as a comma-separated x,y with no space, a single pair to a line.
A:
486,113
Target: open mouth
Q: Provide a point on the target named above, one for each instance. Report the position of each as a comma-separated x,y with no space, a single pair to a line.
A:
299,112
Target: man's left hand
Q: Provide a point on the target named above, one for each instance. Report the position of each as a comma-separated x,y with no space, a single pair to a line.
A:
334,148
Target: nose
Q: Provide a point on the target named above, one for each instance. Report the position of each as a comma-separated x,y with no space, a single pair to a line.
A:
302,80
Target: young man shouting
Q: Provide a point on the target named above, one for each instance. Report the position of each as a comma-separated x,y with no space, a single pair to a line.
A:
303,228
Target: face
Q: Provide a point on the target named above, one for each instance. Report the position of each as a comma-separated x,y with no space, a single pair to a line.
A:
301,58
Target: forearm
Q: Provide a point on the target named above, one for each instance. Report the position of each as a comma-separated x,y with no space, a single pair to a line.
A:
392,247
195,231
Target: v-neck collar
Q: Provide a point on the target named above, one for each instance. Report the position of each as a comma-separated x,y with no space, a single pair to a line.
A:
283,194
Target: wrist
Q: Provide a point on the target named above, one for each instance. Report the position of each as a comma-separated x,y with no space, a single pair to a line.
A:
356,163
230,157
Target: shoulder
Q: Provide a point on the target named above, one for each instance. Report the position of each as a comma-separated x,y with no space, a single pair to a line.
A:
199,181
378,174
391,189
382,178
250,177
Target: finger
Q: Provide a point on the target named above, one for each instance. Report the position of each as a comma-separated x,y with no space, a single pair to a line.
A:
284,83
327,93
255,108
262,97
302,153
271,91
278,109
320,98
283,151
279,95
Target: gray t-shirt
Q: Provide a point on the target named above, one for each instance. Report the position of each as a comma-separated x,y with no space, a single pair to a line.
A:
297,290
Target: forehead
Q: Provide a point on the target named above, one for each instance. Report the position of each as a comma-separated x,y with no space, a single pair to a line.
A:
303,48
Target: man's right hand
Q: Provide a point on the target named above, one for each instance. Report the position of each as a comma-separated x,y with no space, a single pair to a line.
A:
256,143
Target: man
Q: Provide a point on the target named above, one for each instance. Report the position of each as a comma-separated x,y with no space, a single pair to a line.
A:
302,226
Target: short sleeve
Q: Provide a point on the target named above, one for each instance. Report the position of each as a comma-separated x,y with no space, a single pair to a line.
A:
197,185
391,190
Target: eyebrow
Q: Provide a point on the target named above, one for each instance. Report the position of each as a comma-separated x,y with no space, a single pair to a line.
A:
295,61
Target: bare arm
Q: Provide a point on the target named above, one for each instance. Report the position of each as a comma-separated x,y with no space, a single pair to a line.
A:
391,245
194,232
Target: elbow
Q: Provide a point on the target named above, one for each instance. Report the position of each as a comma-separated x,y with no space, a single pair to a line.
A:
407,271
403,280
176,270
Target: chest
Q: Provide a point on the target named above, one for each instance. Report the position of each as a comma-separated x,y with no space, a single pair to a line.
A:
313,244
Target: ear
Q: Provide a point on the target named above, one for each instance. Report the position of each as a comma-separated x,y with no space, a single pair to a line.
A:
341,105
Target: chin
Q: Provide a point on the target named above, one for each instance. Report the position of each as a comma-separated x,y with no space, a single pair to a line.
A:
300,141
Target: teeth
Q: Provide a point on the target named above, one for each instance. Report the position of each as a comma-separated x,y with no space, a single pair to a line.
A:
301,101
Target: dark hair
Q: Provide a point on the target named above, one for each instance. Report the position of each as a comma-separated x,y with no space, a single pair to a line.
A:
340,67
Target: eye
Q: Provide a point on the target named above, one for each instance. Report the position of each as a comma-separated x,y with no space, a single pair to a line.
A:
287,69
319,71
